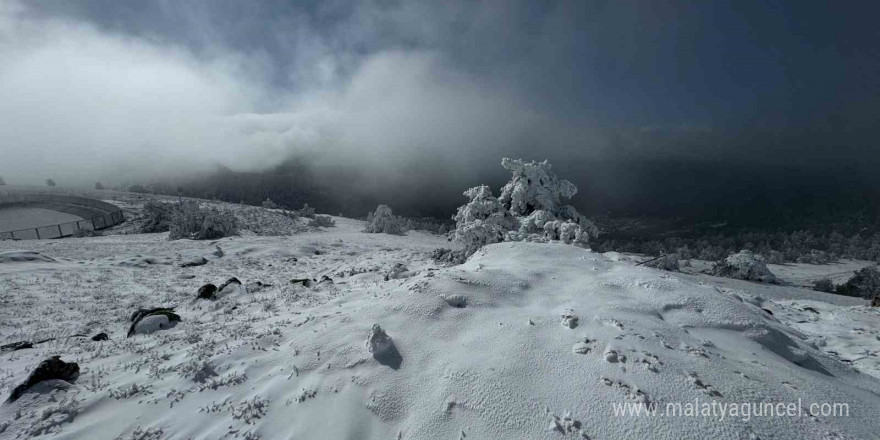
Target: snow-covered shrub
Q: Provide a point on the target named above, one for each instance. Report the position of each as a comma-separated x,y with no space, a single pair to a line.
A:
669,262
745,265
269,204
384,221
815,257
157,216
533,186
824,285
774,257
189,220
865,283
529,209
84,232
323,221
483,220
306,211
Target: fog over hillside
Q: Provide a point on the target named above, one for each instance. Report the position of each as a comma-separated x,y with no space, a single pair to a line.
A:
435,220
392,100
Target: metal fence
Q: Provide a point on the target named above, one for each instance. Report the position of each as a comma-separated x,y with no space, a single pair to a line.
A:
68,229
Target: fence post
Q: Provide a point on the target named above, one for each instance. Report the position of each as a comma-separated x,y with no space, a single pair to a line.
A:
37,230
59,231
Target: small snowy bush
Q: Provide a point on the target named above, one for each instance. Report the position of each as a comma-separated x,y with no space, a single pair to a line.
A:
669,262
745,265
269,204
189,220
157,216
529,209
306,211
482,221
815,257
824,285
865,283
383,221
323,221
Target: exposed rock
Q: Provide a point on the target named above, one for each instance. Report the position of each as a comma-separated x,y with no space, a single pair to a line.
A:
208,291
101,337
378,341
876,301
257,286
397,272
569,319
458,301
306,282
231,280
49,369
150,320
196,261
21,345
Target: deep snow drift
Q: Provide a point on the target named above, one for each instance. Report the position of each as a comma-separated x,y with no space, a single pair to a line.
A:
524,340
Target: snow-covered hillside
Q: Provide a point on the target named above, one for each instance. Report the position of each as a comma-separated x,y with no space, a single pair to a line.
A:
524,341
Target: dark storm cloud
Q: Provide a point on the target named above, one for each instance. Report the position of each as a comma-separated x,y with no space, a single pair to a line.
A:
116,90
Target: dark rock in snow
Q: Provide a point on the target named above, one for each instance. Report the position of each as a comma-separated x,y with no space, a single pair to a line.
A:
208,291
198,261
257,286
876,301
307,282
232,280
140,314
21,345
101,337
49,369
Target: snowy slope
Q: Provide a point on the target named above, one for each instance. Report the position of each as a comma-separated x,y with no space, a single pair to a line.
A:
546,331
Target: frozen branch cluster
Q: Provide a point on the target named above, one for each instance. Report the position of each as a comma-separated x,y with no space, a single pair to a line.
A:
384,221
529,209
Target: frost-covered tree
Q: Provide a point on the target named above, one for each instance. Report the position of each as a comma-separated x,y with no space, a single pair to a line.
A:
269,204
529,208
481,221
98,185
2,182
50,182
533,187
384,221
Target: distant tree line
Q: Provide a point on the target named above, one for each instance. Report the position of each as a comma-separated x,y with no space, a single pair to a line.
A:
776,247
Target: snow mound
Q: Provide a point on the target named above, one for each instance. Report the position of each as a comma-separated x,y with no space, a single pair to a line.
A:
745,265
24,256
549,339
504,365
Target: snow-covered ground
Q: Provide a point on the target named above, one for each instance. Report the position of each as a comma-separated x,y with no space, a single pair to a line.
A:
524,341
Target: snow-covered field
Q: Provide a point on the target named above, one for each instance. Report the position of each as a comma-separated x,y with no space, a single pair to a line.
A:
524,341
